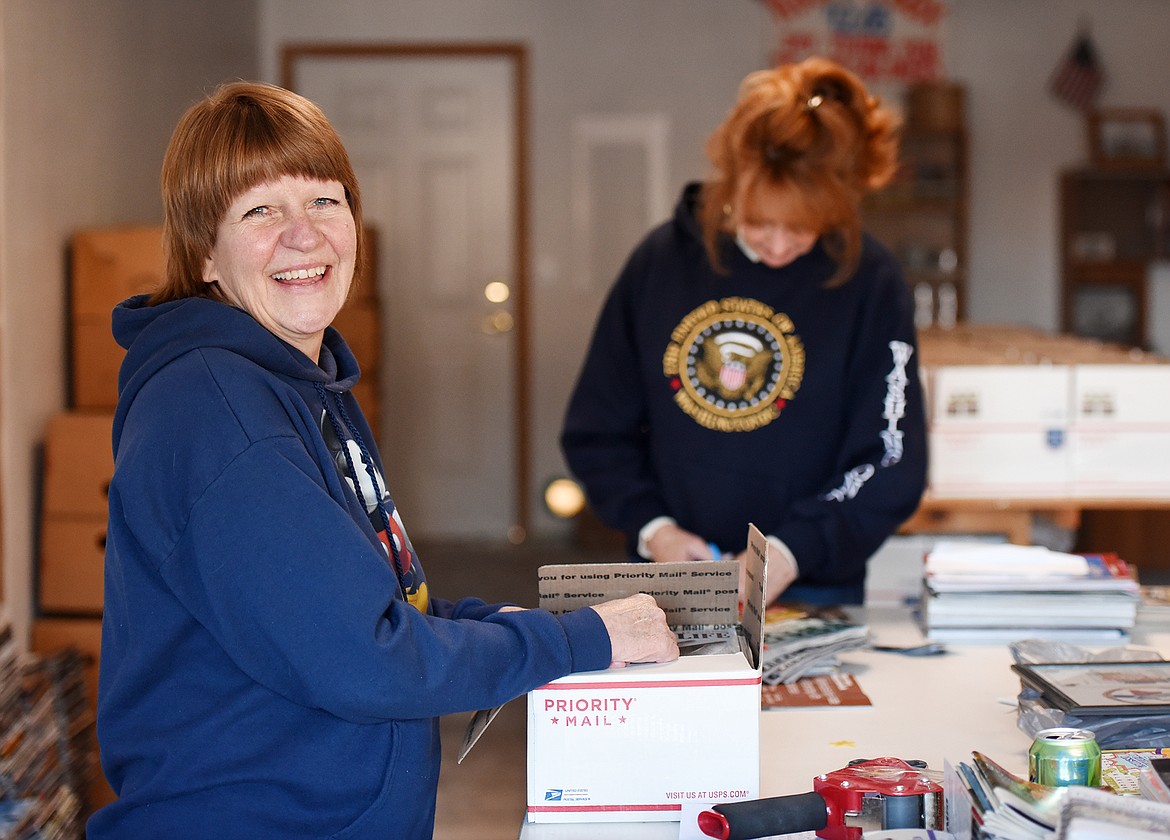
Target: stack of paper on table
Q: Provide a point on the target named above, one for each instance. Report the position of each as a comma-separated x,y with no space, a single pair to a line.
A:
1001,593
1154,609
802,641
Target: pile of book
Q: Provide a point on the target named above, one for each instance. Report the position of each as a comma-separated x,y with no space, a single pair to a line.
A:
997,592
1154,780
802,641
1154,609
1002,806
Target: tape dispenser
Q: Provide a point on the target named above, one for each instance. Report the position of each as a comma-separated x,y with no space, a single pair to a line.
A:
866,795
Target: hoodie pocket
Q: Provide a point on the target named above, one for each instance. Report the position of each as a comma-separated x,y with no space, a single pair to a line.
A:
405,804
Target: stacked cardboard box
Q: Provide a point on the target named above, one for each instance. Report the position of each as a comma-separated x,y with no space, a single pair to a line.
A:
1015,412
109,265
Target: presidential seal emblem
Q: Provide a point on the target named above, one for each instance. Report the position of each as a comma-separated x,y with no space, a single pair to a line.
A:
734,364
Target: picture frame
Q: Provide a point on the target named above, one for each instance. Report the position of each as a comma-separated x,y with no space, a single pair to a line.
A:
1102,688
1127,138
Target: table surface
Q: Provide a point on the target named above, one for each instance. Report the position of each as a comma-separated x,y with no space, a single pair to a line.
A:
933,708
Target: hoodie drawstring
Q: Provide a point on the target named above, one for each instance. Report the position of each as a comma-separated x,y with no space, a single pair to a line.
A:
368,462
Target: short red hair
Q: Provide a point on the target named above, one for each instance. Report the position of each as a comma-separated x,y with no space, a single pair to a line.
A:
241,135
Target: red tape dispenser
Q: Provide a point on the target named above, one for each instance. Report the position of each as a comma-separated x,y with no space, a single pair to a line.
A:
867,795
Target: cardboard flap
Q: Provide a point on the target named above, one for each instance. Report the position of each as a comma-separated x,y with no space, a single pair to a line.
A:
753,607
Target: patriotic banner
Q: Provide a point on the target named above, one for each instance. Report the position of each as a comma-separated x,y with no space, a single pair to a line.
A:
1078,78
882,41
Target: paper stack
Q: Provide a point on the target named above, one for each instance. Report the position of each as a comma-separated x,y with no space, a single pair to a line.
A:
1154,609
801,641
980,592
984,801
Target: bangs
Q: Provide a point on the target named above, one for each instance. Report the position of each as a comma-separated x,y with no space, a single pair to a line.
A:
263,147
812,204
243,135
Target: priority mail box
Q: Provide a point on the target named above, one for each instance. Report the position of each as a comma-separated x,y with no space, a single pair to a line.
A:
1120,433
1000,430
636,743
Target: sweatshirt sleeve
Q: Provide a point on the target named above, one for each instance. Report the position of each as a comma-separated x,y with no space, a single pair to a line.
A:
603,438
881,469
294,592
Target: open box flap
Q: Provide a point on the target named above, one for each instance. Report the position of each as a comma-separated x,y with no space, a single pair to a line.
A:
694,593
756,570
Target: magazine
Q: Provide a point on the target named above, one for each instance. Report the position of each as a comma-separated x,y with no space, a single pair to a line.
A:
800,640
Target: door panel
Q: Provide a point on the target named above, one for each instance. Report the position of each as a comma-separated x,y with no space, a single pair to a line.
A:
432,138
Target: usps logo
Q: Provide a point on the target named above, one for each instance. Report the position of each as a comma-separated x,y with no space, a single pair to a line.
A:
553,795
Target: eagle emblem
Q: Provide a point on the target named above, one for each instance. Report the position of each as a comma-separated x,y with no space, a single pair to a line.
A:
734,364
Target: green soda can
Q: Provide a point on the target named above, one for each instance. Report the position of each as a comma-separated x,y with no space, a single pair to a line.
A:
1065,756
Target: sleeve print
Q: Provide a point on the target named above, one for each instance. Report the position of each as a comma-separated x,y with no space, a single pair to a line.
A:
894,409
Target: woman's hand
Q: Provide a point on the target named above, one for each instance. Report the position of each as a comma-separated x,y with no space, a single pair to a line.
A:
672,544
637,630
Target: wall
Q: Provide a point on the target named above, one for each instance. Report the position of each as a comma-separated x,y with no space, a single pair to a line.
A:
680,61
91,91
1004,51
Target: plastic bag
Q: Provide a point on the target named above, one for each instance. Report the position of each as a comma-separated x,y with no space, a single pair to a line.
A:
1113,733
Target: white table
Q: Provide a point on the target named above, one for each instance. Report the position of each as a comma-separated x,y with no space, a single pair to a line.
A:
933,708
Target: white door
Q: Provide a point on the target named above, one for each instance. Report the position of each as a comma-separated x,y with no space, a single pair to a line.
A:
432,139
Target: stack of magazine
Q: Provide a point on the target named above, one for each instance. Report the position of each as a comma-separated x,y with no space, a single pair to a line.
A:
997,592
37,769
802,641
1154,609
985,802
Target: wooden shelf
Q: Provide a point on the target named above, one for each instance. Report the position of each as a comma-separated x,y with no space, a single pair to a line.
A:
922,216
1011,517
1112,226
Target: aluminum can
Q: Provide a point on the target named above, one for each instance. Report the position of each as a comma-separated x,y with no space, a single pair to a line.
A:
1065,756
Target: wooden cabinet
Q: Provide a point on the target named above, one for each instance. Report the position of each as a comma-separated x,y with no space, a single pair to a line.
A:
922,214
1112,225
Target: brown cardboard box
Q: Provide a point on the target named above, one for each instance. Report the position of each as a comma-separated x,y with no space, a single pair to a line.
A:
111,264
359,324
108,266
79,463
96,360
72,565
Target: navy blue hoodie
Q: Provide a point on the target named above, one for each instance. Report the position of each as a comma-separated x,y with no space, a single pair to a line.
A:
759,395
269,669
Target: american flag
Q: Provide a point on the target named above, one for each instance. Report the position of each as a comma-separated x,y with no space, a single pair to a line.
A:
1078,77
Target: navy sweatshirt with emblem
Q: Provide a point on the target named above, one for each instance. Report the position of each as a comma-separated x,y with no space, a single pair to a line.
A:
756,396
272,661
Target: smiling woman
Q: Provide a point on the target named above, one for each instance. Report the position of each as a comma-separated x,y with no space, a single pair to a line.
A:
274,662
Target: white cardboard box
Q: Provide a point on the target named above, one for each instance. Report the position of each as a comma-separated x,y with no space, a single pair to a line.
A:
1000,430
1120,433
637,743
981,463
1000,396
